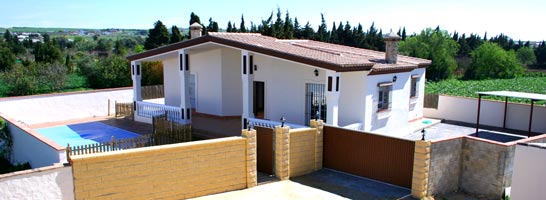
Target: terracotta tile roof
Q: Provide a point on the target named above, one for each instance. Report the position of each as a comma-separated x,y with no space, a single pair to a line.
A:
325,55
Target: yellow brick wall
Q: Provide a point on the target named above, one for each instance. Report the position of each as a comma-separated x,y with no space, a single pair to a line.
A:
175,171
421,169
302,151
282,152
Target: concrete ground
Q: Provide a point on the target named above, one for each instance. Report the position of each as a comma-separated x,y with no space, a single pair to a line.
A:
451,129
323,184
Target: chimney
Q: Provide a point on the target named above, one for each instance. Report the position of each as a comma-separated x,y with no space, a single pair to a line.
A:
391,47
195,30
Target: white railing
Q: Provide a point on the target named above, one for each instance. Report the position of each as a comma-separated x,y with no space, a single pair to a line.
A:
150,110
271,124
355,126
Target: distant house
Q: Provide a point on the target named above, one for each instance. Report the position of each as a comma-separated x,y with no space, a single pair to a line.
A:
255,76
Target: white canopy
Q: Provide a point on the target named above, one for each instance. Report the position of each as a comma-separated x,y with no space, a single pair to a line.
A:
523,95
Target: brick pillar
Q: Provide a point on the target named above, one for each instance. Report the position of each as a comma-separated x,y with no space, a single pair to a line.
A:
251,159
282,152
319,125
421,169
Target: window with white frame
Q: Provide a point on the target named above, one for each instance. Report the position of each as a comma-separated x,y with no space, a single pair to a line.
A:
385,95
414,86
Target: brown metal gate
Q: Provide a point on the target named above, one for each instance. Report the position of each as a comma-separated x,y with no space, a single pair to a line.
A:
264,149
372,156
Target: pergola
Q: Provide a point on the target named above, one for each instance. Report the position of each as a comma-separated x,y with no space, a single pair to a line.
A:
522,95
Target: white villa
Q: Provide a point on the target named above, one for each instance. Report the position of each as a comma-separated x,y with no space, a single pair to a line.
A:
260,77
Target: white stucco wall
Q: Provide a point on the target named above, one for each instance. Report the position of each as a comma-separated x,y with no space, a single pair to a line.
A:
352,98
171,81
285,87
395,120
492,112
45,183
207,67
28,148
232,92
61,107
529,174
416,105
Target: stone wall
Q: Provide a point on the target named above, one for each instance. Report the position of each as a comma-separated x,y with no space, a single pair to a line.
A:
302,151
53,182
176,171
486,167
445,166
476,166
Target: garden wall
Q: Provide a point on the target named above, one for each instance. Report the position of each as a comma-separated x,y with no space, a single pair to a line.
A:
486,167
492,112
303,143
176,171
30,146
476,166
529,174
445,166
53,182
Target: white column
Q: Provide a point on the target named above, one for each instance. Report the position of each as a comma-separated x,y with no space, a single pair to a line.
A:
184,74
248,87
332,97
136,75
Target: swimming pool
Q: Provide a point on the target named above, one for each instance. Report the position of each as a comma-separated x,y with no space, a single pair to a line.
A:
84,133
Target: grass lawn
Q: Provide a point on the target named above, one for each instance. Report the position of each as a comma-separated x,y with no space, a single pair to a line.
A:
455,87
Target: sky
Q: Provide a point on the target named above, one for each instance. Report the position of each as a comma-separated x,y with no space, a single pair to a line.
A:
520,20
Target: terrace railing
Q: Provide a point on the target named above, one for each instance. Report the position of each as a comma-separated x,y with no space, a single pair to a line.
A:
150,110
271,124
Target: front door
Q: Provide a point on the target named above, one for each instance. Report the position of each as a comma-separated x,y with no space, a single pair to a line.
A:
259,99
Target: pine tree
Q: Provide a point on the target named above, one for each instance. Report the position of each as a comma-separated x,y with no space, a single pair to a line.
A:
322,33
265,28
175,35
213,26
288,28
7,36
277,29
404,36
194,18
242,28
157,36
308,32
333,34
297,28
229,28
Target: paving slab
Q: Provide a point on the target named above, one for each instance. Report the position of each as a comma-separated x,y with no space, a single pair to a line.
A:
323,184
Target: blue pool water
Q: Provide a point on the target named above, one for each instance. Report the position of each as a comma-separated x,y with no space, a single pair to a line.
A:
84,133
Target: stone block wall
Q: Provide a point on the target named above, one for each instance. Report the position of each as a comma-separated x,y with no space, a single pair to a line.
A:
486,167
176,171
445,166
282,152
251,158
302,151
421,169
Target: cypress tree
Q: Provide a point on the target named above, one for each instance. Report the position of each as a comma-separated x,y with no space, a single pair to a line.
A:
229,28
322,33
175,35
242,28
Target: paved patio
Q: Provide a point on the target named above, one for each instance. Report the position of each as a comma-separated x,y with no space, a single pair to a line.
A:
323,184
452,129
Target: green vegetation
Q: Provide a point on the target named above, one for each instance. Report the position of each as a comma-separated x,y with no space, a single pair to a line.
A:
489,60
434,45
533,83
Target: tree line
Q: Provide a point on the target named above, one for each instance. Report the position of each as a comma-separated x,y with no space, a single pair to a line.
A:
452,54
64,64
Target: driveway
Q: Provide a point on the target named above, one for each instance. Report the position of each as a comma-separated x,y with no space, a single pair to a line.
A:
323,184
